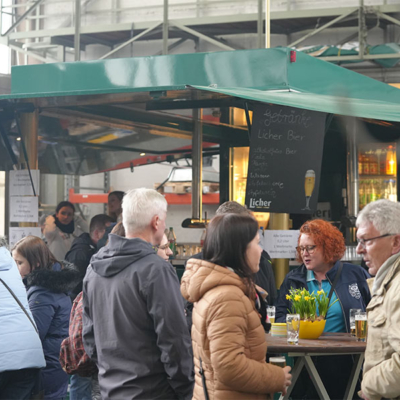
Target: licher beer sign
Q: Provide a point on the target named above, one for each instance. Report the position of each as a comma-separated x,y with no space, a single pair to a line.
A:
285,159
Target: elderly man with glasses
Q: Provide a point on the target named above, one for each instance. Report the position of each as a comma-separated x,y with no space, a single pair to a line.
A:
378,238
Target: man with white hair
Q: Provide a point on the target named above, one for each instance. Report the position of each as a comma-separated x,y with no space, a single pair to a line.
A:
378,238
134,325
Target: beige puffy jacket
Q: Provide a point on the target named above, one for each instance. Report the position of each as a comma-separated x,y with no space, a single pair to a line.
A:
227,335
382,357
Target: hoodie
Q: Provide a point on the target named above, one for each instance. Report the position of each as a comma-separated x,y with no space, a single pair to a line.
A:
50,305
134,324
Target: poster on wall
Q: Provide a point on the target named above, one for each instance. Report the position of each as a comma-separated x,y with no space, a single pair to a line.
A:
21,184
18,233
285,159
24,209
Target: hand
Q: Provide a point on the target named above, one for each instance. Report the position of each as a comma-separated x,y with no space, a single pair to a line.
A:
288,379
362,395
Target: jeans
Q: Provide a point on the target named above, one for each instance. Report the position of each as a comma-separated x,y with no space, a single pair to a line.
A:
80,388
18,384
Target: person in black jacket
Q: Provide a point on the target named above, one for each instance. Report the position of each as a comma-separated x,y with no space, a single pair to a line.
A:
320,248
85,246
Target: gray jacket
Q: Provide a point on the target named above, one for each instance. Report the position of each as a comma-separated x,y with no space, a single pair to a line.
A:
134,324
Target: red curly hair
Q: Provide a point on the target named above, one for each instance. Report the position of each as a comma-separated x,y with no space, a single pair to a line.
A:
325,235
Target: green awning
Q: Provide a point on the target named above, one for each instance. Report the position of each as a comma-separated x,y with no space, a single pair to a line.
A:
363,108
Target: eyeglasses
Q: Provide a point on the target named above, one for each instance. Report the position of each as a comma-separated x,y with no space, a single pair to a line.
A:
162,247
310,249
361,242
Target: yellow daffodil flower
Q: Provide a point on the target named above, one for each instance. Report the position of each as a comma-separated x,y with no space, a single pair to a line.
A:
306,298
297,297
320,292
287,297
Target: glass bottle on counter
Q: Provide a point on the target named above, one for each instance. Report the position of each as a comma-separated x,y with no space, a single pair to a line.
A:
172,241
390,161
203,238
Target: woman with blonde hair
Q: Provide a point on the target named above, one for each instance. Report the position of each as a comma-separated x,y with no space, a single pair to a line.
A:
227,335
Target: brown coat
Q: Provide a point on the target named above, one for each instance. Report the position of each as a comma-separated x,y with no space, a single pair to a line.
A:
227,335
382,357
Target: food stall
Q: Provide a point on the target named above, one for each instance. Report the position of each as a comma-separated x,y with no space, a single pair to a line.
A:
86,117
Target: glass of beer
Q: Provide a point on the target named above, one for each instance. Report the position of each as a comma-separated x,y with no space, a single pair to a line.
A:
361,326
293,327
353,312
271,314
309,184
278,361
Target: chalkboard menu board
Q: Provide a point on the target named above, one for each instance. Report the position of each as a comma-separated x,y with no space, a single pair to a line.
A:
285,159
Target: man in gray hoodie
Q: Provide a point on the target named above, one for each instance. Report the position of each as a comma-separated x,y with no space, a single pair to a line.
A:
134,324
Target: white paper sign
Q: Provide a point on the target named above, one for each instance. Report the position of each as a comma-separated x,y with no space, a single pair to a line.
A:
16,234
24,209
20,182
280,244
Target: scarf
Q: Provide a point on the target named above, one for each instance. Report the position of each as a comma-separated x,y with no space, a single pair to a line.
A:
382,272
69,228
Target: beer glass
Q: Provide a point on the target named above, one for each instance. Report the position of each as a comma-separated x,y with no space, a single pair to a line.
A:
293,327
361,326
278,361
353,312
309,184
271,314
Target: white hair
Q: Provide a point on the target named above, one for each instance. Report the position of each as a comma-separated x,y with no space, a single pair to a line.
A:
139,206
384,215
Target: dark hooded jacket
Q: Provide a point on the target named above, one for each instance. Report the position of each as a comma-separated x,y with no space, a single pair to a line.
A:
134,324
80,254
50,305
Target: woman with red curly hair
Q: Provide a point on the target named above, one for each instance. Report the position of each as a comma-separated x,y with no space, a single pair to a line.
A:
320,248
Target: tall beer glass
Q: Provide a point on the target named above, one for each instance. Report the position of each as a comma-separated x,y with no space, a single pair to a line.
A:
278,361
309,184
361,326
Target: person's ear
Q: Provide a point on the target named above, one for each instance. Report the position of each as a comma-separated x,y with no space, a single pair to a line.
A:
155,221
396,244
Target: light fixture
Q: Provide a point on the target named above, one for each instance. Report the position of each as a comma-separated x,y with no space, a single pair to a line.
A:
142,154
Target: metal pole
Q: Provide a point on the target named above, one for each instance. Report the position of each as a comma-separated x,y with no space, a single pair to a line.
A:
361,29
165,28
267,24
1,16
352,167
280,265
77,37
260,25
197,164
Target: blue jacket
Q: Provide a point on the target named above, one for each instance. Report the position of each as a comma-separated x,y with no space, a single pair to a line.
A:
20,345
51,308
351,289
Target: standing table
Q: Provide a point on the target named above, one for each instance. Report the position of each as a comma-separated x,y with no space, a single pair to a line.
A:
328,344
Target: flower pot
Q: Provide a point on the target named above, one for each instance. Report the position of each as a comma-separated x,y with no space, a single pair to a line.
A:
311,329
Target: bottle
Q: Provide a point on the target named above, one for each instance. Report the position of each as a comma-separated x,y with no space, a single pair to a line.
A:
172,242
203,238
366,165
373,164
392,190
390,161
360,164
362,194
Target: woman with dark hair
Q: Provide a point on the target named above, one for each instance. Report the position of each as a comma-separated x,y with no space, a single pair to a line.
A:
115,205
61,229
320,248
48,284
227,335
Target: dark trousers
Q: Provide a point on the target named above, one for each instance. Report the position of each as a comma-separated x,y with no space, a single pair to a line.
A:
18,384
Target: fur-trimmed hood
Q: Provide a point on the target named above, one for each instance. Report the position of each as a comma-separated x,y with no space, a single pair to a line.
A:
58,280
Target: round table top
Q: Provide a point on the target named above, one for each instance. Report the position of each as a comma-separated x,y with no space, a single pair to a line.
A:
327,343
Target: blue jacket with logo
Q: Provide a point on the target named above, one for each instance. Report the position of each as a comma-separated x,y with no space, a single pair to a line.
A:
351,289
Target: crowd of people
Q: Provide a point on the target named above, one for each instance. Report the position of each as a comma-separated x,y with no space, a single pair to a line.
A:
136,332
